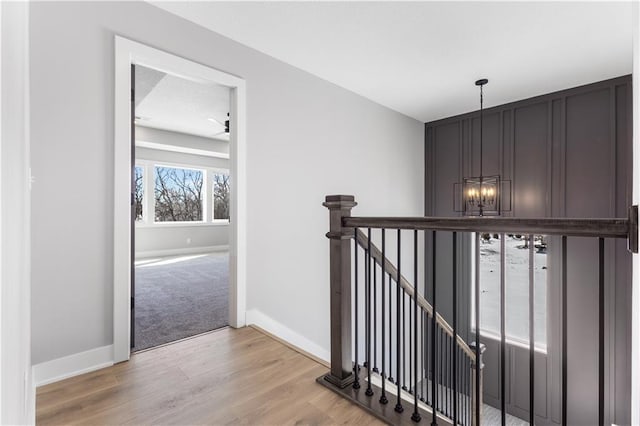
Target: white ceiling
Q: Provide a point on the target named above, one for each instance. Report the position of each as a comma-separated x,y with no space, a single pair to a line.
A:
422,58
168,102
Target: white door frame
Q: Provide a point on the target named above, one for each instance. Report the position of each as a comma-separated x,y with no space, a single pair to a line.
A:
128,52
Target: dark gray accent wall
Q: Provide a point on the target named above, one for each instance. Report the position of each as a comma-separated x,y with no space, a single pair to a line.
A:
568,154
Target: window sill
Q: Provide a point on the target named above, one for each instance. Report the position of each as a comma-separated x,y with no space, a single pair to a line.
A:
180,224
511,341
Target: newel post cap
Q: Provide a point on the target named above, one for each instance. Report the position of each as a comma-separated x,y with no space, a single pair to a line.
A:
339,202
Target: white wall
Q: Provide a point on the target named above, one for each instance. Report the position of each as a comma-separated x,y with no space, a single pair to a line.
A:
17,397
168,239
306,138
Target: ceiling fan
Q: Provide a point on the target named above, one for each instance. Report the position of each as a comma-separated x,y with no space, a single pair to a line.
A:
225,124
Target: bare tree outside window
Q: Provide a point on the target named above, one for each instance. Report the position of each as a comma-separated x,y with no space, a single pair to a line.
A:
221,196
138,191
178,195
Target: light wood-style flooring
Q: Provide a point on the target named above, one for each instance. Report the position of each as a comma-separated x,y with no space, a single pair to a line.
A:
230,376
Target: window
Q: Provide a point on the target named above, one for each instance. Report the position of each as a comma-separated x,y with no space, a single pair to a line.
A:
516,287
178,194
220,196
139,191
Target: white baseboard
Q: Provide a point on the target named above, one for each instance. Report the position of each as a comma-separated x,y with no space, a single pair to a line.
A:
274,327
72,365
180,251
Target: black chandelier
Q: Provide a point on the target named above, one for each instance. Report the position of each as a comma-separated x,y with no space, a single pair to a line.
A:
482,195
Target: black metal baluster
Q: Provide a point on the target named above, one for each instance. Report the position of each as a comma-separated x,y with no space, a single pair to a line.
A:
375,319
445,366
356,368
450,373
398,407
465,390
434,397
449,377
455,327
443,370
416,415
532,414
460,393
369,391
422,356
503,339
477,315
445,384
429,370
441,380
564,330
470,398
410,348
390,327
404,339
601,331
383,396
427,365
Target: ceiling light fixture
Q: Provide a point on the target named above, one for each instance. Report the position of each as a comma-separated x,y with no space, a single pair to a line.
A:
225,124
482,195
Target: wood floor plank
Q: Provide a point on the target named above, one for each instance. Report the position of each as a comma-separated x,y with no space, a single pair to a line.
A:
232,376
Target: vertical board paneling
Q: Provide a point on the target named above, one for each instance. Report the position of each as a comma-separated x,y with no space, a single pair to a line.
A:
530,142
490,144
447,162
588,154
554,329
568,154
589,171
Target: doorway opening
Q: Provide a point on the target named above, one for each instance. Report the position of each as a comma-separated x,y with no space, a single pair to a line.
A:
191,164
181,188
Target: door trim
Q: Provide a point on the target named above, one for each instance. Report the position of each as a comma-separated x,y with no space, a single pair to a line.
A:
128,52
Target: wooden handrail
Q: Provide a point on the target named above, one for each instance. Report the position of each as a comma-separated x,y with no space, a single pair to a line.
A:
605,228
390,269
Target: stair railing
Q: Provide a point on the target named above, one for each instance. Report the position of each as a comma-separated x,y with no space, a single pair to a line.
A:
437,373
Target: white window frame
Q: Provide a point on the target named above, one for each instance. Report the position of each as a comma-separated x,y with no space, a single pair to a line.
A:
148,207
204,199
145,192
215,171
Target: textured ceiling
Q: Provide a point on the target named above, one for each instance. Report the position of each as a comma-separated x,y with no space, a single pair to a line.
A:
422,58
172,103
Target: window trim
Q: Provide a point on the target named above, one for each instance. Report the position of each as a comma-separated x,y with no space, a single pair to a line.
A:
211,207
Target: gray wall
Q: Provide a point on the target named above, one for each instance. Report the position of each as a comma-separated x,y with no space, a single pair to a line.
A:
305,138
568,154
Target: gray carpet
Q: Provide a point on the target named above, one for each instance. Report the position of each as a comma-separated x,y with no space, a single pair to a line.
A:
179,297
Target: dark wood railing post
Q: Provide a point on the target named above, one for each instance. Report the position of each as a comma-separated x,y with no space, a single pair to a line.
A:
476,399
339,206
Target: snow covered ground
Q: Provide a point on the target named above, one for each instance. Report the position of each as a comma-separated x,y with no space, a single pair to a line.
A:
517,290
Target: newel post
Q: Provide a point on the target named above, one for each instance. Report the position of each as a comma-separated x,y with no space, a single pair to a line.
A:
476,400
340,206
